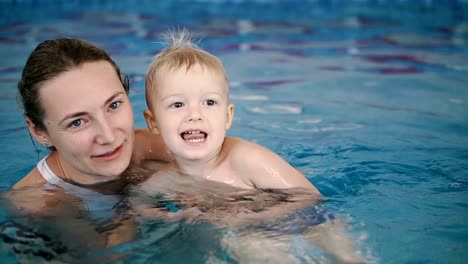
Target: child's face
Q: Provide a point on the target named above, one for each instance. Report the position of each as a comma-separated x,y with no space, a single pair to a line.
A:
191,110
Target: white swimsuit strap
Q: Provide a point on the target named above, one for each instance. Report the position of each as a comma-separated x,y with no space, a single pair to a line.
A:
53,179
46,172
87,196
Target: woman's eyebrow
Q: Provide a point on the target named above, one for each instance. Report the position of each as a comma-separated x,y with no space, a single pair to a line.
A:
73,115
112,97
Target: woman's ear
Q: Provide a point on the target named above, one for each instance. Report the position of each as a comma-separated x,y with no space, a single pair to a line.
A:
230,116
39,134
151,121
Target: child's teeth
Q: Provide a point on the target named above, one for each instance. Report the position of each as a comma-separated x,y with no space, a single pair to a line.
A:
196,140
194,136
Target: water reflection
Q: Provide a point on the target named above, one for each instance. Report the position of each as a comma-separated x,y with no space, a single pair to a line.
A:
249,226
180,218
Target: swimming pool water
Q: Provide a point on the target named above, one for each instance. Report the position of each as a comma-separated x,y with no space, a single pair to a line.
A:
368,98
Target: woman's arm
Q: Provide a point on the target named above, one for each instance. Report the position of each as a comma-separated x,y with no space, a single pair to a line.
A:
36,201
65,213
272,205
149,156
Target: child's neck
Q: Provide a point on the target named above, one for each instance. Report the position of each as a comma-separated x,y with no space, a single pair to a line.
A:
200,167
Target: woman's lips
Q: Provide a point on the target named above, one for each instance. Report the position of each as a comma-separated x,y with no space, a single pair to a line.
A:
109,156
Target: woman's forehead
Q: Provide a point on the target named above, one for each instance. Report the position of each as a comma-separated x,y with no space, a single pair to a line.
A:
80,89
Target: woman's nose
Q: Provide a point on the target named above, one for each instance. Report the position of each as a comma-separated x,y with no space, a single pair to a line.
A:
105,133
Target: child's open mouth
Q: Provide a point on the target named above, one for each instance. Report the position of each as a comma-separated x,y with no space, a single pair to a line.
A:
194,136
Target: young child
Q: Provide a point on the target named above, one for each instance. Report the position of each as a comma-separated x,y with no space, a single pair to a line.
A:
187,94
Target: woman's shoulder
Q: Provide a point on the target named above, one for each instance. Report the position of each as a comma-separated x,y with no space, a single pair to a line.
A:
32,179
148,147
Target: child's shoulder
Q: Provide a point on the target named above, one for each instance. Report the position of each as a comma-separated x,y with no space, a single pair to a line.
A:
238,146
242,152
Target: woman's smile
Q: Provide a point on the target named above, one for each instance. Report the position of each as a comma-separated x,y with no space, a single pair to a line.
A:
109,156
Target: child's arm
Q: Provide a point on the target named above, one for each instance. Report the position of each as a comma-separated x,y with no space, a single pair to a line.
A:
265,169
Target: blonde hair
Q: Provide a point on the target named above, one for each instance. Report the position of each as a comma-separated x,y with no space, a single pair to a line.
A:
180,52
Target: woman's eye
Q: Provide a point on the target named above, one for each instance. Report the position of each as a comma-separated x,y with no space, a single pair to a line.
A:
115,105
177,105
210,102
76,123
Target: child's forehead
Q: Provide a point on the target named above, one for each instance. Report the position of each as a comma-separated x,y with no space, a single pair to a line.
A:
186,68
190,74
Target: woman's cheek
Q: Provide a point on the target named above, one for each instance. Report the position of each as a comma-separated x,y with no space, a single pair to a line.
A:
80,144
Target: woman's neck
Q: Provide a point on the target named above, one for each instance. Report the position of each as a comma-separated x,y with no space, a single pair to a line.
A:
84,181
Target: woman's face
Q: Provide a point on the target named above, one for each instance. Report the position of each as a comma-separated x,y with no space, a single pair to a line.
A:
89,120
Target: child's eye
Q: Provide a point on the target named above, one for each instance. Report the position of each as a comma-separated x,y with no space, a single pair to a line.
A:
115,105
177,105
210,102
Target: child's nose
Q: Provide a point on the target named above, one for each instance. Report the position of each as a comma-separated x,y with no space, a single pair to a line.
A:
194,114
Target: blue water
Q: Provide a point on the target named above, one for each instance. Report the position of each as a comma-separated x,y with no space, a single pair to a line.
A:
368,98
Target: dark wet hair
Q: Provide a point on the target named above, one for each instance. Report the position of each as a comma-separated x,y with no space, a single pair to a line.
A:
50,59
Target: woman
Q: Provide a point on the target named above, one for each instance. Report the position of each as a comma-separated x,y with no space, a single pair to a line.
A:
75,103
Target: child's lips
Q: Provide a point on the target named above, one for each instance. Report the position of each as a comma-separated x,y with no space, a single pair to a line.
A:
194,136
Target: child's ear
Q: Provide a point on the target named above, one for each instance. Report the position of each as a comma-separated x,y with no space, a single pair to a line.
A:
151,121
39,134
230,116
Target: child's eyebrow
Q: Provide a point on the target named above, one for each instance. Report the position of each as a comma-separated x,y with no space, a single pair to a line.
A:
171,95
215,93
